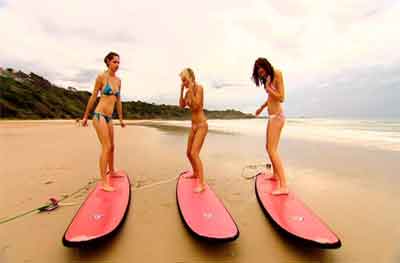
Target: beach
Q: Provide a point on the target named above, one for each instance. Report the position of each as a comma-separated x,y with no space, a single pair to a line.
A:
353,187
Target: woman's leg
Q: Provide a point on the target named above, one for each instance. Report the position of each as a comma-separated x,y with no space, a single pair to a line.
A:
111,167
110,127
272,176
104,137
275,126
198,141
188,150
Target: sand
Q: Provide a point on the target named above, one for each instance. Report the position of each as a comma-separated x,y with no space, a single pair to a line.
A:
354,190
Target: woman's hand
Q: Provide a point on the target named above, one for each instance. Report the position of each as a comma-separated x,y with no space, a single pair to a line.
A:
84,122
268,81
191,85
269,89
259,110
122,123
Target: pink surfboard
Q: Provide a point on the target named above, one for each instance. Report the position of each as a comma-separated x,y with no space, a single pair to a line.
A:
291,216
203,213
101,214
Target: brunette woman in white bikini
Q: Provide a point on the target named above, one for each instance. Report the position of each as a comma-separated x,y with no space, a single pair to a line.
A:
264,74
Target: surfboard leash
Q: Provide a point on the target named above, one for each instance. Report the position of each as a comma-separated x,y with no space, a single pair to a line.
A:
140,187
254,167
52,204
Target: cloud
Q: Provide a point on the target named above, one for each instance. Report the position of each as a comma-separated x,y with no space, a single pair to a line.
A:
369,92
312,42
85,76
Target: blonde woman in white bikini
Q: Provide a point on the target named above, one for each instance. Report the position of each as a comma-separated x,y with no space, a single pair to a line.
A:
194,99
264,74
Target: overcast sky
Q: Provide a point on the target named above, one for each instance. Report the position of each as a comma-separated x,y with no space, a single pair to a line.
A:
339,58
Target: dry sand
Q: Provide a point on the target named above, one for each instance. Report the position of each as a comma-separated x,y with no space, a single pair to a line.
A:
354,190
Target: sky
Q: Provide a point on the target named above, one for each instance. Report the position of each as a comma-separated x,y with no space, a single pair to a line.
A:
338,58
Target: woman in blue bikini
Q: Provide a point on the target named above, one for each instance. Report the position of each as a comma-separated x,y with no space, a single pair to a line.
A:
109,85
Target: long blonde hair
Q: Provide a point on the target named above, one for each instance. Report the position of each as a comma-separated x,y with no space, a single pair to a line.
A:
188,72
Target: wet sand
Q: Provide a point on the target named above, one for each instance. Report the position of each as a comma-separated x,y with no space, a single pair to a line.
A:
354,190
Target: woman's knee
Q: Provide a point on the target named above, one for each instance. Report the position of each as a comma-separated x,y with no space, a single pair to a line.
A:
194,154
188,155
272,152
107,148
269,148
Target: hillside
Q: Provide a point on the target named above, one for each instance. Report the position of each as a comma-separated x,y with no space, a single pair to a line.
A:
30,96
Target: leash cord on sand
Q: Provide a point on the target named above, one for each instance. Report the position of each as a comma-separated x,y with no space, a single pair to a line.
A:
51,205
156,183
254,166
6,219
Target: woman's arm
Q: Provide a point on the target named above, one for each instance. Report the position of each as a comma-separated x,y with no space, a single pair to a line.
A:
119,107
279,92
182,102
262,107
97,86
196,97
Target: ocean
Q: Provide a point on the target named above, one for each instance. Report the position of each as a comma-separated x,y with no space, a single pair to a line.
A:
382,134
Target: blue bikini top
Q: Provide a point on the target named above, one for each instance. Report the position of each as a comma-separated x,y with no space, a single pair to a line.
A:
108,91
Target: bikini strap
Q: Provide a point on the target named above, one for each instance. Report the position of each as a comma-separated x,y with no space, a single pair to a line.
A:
103,86
107,77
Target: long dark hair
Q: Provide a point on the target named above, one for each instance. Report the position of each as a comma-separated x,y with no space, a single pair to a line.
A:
109,57
269,69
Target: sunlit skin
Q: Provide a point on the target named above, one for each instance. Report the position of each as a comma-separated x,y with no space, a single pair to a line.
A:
276,95
104,130
193,98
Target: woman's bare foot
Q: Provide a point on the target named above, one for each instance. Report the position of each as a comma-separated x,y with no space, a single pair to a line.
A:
189,175
280,191
270,176
199,189
115,174
107,188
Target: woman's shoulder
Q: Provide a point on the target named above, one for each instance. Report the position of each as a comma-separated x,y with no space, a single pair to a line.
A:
278,76
278,72
101,76
200,87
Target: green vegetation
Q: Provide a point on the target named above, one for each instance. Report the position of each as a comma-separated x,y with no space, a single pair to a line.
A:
24,96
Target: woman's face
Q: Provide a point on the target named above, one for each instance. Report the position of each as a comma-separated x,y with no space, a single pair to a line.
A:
185,80
262,73
113,64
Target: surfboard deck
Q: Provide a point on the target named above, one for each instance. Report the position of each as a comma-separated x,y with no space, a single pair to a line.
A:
290,215
203,213
101,214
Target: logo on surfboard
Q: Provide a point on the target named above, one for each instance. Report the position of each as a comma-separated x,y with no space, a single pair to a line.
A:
207,215
98,216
